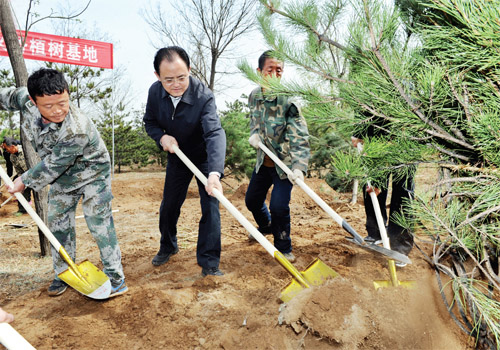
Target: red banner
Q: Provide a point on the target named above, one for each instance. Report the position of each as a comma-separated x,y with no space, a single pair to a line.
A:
62,49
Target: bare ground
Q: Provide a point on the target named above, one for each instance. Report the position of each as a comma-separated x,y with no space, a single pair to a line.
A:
173,307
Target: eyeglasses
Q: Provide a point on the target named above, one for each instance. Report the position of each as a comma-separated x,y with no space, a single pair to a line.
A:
170,81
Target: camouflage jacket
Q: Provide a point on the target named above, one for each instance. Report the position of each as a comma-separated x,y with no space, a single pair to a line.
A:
281,128
72,152
18,160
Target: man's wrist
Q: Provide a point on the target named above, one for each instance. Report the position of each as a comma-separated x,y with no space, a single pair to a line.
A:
161,138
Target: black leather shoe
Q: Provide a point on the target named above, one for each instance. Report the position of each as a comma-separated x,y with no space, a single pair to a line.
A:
161,259
212,271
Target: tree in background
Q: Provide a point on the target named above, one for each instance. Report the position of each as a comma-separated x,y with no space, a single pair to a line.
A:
426,73
145,144
207,29
325,143
86,84
240,156
123,137
128,144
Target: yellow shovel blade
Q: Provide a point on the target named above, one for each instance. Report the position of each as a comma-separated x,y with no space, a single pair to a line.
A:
315,275
394,280
88,280
386,284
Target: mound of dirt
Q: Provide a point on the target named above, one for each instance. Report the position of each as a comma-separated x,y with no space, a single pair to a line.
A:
173,306
352,316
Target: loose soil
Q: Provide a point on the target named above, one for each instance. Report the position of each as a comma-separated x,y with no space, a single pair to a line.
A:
174,307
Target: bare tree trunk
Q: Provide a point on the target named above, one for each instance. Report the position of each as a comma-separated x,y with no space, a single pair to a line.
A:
207,29
213,71
21,75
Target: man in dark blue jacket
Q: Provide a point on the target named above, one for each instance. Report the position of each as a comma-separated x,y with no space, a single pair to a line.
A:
181,111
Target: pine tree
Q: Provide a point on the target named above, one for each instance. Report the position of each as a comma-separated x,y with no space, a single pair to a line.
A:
240,156
131,146
426,74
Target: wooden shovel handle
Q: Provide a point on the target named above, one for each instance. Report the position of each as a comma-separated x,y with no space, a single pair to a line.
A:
30,211
381,227
12,340
271,249
338,219
227,204
376,208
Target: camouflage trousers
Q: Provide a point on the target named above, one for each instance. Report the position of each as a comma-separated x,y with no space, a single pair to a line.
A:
96,203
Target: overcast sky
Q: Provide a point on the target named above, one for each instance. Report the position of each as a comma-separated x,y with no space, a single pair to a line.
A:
121,21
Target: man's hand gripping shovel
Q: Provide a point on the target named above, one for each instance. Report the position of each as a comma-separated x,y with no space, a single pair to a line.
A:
314,275
84,277
256,142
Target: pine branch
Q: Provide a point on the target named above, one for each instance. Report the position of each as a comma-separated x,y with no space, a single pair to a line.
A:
478,216
459,179
459,241
450,153
270,6
438,131
460,167
488,263
464,105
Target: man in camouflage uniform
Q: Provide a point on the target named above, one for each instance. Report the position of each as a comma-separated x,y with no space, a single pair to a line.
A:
14,148
280,125
76,164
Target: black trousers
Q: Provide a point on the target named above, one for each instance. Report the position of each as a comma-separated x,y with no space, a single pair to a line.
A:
8,163
401,239
177,180
279,206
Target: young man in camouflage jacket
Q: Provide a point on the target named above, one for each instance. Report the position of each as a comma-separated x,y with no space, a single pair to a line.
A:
279,124
75,163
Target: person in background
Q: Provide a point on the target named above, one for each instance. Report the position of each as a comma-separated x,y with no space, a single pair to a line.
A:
181,111
14,148
279,124
8,162
400,238
75,163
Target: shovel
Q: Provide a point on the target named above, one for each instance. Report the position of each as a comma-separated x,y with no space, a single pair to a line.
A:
356,237
84,277
385,241
6,201
314,275
12,340
2,185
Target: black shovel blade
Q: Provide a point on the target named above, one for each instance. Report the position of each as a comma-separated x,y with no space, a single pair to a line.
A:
387,252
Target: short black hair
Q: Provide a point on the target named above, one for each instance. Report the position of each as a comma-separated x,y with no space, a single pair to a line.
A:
169,53
267,54
46,81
